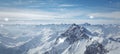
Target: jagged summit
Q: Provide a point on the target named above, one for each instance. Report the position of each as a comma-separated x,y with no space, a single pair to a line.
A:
73,26
77,29
74,33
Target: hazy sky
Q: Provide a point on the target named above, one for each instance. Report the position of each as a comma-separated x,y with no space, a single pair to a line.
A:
59,11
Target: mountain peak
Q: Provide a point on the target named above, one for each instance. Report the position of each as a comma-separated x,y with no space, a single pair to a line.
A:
77,29
74,25
74,33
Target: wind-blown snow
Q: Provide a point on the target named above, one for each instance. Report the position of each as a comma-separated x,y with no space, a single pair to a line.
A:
46,34
99,39
61,40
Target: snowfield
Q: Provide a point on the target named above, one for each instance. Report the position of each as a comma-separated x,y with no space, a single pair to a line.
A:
60,39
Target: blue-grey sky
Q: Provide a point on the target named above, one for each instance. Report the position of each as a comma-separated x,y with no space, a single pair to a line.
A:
59,11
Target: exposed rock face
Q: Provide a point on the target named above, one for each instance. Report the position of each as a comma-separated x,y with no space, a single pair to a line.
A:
95,48
115,39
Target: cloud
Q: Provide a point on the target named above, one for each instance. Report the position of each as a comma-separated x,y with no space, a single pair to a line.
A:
21,14
112,15
64,21
18,14
66,5
25,15
23,3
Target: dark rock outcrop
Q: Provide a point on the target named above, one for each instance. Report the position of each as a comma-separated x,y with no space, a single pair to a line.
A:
95,48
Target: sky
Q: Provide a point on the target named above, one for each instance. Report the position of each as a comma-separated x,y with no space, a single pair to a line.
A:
59,11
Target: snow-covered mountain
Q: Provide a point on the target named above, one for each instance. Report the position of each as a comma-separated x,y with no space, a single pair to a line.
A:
76,40
60,39
66,40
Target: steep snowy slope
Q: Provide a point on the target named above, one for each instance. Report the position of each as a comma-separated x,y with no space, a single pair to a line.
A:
78,40
75,38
